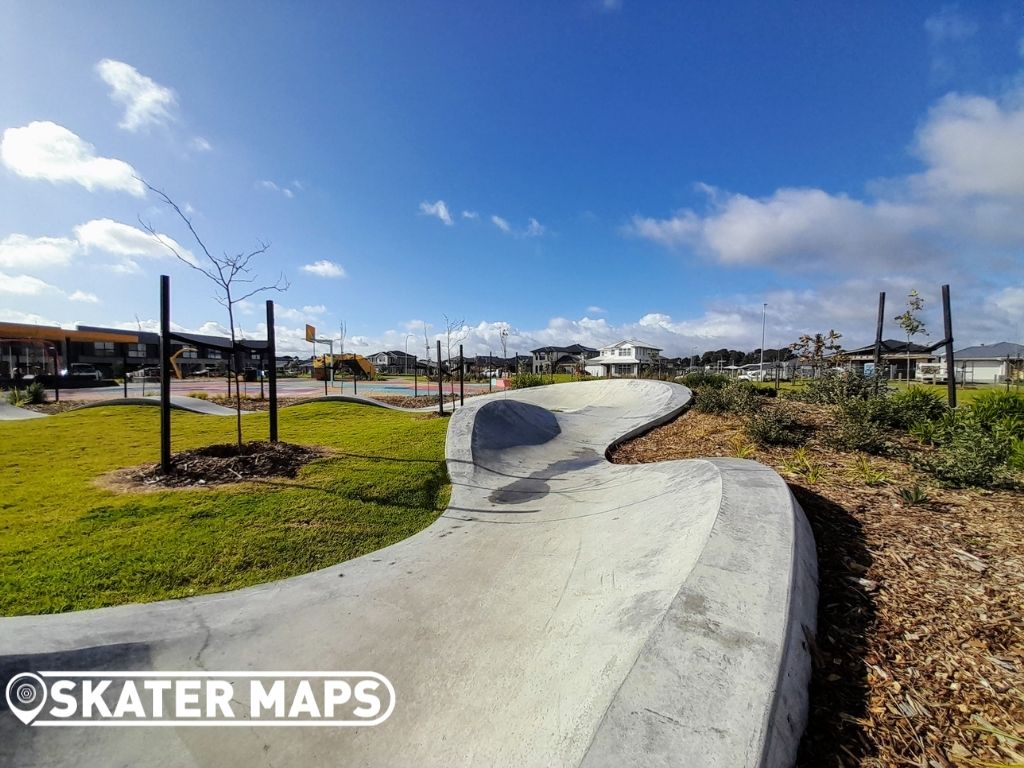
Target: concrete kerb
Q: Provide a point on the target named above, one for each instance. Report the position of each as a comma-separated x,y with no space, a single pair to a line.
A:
572,611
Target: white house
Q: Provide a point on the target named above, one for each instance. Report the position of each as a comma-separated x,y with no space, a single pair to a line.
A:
624,359
989,363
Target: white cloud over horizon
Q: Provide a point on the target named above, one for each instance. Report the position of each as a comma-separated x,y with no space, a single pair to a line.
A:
501,223
145,102
47,151
129,242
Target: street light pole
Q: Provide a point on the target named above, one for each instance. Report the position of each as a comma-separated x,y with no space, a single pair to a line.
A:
760,367
407,337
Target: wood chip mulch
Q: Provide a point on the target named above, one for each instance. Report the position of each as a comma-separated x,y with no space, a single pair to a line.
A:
220,464
919,656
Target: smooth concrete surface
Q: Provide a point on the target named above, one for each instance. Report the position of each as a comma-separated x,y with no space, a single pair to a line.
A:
14,413
178,402
563,611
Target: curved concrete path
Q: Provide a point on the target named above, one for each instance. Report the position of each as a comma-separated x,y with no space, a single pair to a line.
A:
178,402
563,611
14,413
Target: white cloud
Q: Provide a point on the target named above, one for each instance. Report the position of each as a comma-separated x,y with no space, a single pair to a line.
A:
470,215
438,210
794,228
24,252
949,25
287,191
534,228
973,145
23,285
84,296
145,102
593,309
130,242
199,144
610,6
501,223
314,309
45,150
1010,300
324,268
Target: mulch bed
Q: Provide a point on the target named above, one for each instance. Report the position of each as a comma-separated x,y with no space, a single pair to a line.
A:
220,464
51,407
920,644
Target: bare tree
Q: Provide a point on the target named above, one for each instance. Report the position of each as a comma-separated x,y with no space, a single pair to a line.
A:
231,273
455,332
911,324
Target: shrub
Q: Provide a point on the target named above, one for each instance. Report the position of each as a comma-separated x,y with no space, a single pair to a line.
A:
199,395
703,380
773,426
836,387
968,454
859,426
33,394
992,407
524,380
866,473
735,397
913,405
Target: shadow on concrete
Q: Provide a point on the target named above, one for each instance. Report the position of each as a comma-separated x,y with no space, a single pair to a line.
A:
846,615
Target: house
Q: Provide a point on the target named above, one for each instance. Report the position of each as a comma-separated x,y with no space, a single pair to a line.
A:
393,362
624,359
897,357
989,363
560,359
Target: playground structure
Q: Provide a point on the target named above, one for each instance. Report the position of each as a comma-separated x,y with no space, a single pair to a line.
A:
174,360
356,365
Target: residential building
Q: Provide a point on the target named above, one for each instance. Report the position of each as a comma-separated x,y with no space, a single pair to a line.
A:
628,358
897,358
989,363
393,362
561,359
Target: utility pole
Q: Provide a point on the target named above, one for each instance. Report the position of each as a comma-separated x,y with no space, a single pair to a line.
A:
760,367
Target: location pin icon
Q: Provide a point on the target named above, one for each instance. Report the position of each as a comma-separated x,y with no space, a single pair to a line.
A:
26,695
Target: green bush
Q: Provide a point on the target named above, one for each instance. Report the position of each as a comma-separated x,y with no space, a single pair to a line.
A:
860,425
524,380
836,387
774,426
704,380
33,394
968,454
992,407
735,397
913,405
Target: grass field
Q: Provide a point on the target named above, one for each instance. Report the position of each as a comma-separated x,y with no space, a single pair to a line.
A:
68,544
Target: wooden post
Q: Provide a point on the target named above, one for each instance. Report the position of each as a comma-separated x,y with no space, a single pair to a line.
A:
415,376
462,373
165,374
947,327
124,366
272,353
440,381
56,376
878,333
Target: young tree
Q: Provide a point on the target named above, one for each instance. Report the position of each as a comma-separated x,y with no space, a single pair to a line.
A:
911,323
814,349
232,274
455,332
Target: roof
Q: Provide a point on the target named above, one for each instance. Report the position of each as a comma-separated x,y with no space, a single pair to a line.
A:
56,334
633,343
998,351
892,347
572,349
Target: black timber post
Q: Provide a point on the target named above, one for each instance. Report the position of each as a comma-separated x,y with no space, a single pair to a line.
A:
272,354
878,332
124,366
462,375
440,382
56,375
947,327
165,374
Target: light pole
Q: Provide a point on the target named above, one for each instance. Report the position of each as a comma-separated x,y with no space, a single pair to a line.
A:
760,367
407,337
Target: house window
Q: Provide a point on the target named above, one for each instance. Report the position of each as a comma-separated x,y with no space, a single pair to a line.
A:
190,353
136,350
213,354
103,348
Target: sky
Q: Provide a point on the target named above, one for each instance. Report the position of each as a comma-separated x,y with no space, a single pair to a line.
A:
576,172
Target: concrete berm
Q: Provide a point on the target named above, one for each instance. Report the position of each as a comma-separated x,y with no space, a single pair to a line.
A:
563,611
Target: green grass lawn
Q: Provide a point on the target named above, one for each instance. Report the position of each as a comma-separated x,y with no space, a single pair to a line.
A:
68,544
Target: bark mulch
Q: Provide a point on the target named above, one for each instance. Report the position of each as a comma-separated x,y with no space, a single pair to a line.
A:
919,656
219,464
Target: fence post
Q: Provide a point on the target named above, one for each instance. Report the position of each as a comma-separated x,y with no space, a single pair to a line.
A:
165,374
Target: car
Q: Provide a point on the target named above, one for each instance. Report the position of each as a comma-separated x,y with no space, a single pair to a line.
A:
142,374
85,371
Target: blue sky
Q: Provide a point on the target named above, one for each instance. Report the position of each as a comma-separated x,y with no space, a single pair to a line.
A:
582,171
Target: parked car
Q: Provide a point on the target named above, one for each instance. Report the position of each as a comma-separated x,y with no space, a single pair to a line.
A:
143,374
85,371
